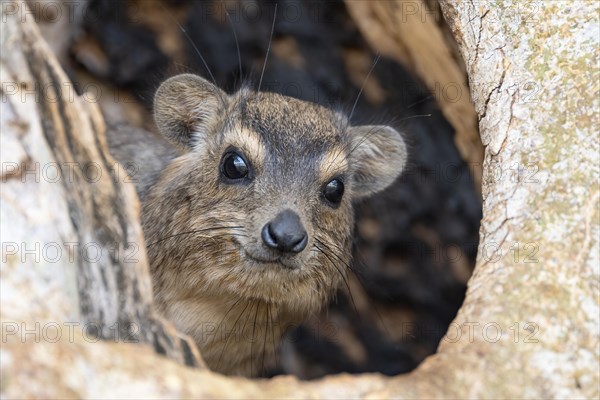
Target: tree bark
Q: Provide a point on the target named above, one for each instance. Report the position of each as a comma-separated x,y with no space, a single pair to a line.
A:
529,326
71,239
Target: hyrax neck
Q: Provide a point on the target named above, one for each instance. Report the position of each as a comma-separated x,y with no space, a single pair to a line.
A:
235,336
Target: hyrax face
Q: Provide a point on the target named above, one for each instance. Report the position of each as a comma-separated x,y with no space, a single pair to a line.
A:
258,208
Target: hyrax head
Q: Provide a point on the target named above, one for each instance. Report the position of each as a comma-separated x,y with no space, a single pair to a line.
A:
259,203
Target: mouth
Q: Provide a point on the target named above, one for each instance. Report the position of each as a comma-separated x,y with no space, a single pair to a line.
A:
273,261
269,261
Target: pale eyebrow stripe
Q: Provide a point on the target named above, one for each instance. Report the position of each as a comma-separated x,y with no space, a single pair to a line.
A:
249,141
333,162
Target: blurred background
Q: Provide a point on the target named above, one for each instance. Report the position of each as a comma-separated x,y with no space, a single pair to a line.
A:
416,242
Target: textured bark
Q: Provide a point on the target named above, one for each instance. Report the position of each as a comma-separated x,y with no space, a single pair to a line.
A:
536,282
71,239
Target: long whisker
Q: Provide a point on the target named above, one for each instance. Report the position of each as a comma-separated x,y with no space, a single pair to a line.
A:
190,41
270,316
374,130
414,116
360,281
333,264
343,277
419,101
328,247
363,86
344,262
253,337
363,139
232,332
227,313
265,341
237,43
192,232
268,48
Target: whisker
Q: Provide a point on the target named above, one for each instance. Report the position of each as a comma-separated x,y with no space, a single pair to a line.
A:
327,247
253,337
265,342
373,304
374,129
419,101
237,43
269,312
360,278
363,86
232,234
414,116
232,332
192,232
343,277
190,41
268,48
363,139
227,313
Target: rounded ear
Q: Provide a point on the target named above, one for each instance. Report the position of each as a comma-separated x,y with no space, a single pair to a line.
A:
377,158
185,107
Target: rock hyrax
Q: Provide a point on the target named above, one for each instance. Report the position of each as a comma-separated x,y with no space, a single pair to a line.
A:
247,210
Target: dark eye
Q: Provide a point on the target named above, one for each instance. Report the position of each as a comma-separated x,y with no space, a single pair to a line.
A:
334,190
234,166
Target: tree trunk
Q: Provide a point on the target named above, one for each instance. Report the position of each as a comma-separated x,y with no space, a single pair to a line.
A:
529,323
72,243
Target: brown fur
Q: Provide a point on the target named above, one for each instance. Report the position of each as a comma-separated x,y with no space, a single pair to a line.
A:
213,277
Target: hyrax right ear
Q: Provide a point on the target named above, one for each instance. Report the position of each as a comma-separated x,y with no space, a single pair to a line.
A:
185,106
378,156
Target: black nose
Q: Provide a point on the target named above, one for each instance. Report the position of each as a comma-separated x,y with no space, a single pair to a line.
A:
285,232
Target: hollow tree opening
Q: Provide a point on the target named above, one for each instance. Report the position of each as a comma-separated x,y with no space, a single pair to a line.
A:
415,243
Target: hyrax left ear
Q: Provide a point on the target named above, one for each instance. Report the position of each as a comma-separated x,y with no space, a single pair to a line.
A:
185,108
378,156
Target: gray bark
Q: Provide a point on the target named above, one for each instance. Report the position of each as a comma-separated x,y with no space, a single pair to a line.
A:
71,238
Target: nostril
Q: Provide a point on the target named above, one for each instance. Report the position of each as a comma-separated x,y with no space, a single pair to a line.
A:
300,244
268,237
